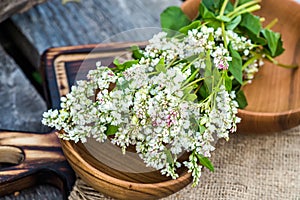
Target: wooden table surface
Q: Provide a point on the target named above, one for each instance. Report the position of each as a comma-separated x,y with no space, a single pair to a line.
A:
26,36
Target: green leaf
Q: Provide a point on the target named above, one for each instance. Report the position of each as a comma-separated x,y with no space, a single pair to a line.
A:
241,99
223,18
233,23
251,22
213,23
240,2
205,162
228,82
201,129
160,67
173,18
190,97
274,41
136,52
194,25
111,130
256,39
170,159
215,6
235,66
188,90
208,72
216,76
279,49
123,66
204,92
204,13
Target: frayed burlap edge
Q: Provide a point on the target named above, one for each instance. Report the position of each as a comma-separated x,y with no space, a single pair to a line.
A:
249,166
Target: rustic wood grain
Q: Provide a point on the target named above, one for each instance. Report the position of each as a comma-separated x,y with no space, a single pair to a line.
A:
91,21
10,7
34,159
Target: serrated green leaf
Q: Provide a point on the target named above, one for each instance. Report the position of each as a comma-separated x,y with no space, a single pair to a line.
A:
206,162
235,66
174,19
251,23
194,25
233,23
274,42
111,130
241,99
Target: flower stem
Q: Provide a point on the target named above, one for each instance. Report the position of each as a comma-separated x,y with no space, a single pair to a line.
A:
251,9
241,7
271,24
193,82
224,34
280,64
223,7
250,61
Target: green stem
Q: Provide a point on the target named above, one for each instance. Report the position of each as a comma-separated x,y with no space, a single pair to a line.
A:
190,64
280,64
192,76
223,7
248,10
250,61
224,34
241,7
171,63
236,2
271,24
192,83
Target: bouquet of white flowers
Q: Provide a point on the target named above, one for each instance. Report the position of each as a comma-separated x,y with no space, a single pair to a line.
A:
179,94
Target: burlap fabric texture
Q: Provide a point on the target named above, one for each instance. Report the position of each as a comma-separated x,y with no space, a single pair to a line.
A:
248,166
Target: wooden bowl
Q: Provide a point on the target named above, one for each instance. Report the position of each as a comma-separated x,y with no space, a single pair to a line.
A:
274,95
117,183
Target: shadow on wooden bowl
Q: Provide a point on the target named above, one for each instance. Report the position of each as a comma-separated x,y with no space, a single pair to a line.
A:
113,175
274,95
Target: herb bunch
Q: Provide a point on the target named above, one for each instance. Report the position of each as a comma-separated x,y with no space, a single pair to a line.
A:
179,94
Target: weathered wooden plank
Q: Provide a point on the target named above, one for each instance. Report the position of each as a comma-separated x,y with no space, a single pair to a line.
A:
91,21
21,106
9,7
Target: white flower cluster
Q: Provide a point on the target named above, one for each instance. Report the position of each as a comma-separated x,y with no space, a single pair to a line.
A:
153,105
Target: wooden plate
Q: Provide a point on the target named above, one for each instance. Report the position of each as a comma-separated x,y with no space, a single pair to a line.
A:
274,96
